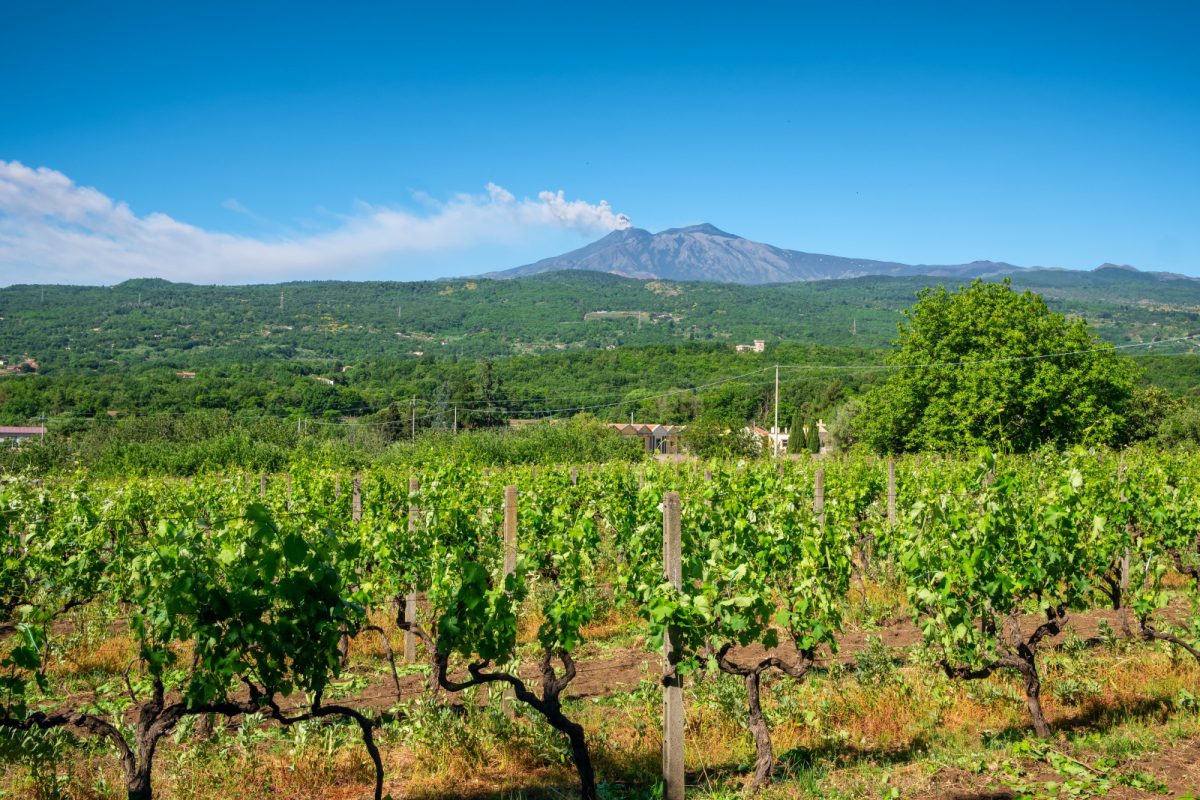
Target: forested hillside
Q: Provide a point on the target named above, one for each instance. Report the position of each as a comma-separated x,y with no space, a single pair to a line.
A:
415,356
483,391
185,326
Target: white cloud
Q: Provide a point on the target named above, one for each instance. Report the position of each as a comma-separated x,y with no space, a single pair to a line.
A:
52,230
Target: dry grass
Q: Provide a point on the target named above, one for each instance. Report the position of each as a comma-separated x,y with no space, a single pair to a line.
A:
611,624
109,657
368,647
907,728
528,624
870,604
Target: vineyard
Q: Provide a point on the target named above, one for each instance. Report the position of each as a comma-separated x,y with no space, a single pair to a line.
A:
837,627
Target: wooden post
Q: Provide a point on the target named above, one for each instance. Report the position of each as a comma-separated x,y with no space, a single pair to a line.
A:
574,476
708,475
510,529
673,776
337,486
1125,557
510,566
819,496
355,516
262,486
891,497
356,500
289,491
410,599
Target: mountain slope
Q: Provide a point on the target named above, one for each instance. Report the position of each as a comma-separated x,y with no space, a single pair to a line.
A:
706,253
187,327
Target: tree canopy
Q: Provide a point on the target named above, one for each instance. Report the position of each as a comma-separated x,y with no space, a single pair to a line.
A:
984,365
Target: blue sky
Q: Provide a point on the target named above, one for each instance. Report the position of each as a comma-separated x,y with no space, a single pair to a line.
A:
227,143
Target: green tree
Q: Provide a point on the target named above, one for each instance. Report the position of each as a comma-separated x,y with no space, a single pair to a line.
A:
813,436
493,410
1181,427
797,442
1000,381
1149,408
713,436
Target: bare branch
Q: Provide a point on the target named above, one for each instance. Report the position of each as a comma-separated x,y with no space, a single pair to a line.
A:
1149,633
391,656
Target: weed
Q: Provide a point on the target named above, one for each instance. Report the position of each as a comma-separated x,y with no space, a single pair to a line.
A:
874,665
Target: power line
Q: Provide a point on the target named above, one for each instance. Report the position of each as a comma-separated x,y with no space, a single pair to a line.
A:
536,405
1066,353
1005,360
661,395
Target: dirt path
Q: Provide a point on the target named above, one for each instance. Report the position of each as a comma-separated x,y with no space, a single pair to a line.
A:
623,668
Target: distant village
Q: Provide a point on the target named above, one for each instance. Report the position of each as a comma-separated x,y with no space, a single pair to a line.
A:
24,367
667,440
12,436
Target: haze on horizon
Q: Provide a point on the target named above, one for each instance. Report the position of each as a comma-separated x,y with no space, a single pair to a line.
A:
220,144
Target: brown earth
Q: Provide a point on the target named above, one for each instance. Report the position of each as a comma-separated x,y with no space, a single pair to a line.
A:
623,668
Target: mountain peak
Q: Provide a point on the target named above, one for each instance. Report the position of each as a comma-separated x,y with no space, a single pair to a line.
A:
624,233
704,252
704,227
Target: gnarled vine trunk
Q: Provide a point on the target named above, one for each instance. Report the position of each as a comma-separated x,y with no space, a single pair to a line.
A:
157,719
764,761
549,705
1019,654
1033,697
411,626
756,722
1116,588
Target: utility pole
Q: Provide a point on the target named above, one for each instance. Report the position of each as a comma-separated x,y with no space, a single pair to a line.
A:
775,438
854,327
281,299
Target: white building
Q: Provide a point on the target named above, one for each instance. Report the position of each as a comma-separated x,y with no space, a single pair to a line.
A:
17,435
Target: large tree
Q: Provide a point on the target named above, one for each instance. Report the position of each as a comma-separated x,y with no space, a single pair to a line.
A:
986,365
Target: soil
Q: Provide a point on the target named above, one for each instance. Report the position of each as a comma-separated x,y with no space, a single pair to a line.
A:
621,669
